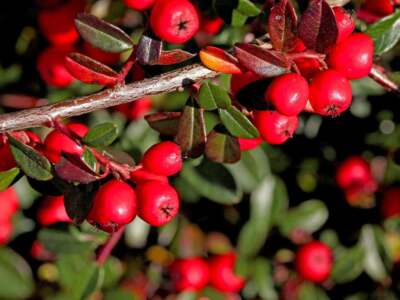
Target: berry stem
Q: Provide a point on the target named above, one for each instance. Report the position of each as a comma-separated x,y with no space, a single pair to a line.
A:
378,74
105,251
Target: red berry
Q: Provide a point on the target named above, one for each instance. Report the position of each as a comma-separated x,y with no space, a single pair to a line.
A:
274,127
33,138
174,21
57,142
78,128
379,7
249,144
5,232
100,55
354,171
114,205
9,204
189,274
163,159
288,93
362,195
158,202
314,261
353,57
40,253
330,93
391,203
139,4
58,24
211,25
239,81
222,276
7,159
52,210
345,23
141,175
308,67
51,67
136,109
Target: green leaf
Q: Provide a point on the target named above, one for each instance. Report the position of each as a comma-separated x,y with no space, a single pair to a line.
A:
248,8
119,294
309,216
89,159
222,148
237,123
213,181
101,34
191,135
213,294
7,177
309,291
385,33
101,135
62,242
238,19
79,276
16,280
263,279
31,162
187,296
349,264
211,97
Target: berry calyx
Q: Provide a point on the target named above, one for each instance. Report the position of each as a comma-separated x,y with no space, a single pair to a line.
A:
174,21
52,211
354,171
314,261
189,274
288,93
249,144
114,205
353,57
330,93
345,23
56,142
158,202
163,159
274,127
391,203
222,275
139,4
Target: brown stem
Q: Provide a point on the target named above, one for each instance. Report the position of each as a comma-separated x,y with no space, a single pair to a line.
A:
105,251
122,170
167,82
378,74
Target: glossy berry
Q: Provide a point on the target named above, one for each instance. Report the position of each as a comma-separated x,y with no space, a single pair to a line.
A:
5,232
52,210
274,127
189,274
9,204
211,25
330,93
249,144
353,57
141,175
379,7
139,4
57,23
222,274
314,261
354,171
391,203
158,202
345,23
51,67
288,93
114,205
163,159
57,142
7,159
174,21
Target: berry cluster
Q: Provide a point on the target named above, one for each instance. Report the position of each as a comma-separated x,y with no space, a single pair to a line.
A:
195,273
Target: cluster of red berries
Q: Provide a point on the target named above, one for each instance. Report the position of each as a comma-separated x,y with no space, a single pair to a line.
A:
326,92
373,10
354,177
195,273
9,204
176,21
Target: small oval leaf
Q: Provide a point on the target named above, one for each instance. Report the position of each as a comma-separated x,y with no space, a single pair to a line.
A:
211,97
101,135
7,177
222,148
237,123
166,123
218,60
173,57
148,51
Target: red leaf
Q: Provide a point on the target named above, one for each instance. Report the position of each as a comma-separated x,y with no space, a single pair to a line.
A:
175,56
318,28
264,62
73,169
19,101
282,26
219,60
89,70
166,123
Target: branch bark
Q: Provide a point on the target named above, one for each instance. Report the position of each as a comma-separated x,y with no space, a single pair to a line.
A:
164,83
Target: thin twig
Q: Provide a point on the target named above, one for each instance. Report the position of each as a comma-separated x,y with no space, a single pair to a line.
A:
378,74
167,82
107,248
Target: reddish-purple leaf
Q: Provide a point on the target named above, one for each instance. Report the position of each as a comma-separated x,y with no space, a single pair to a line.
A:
175,56
318,28
166,123
148,51
263,62
19,101
89,70
282,26
72,169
